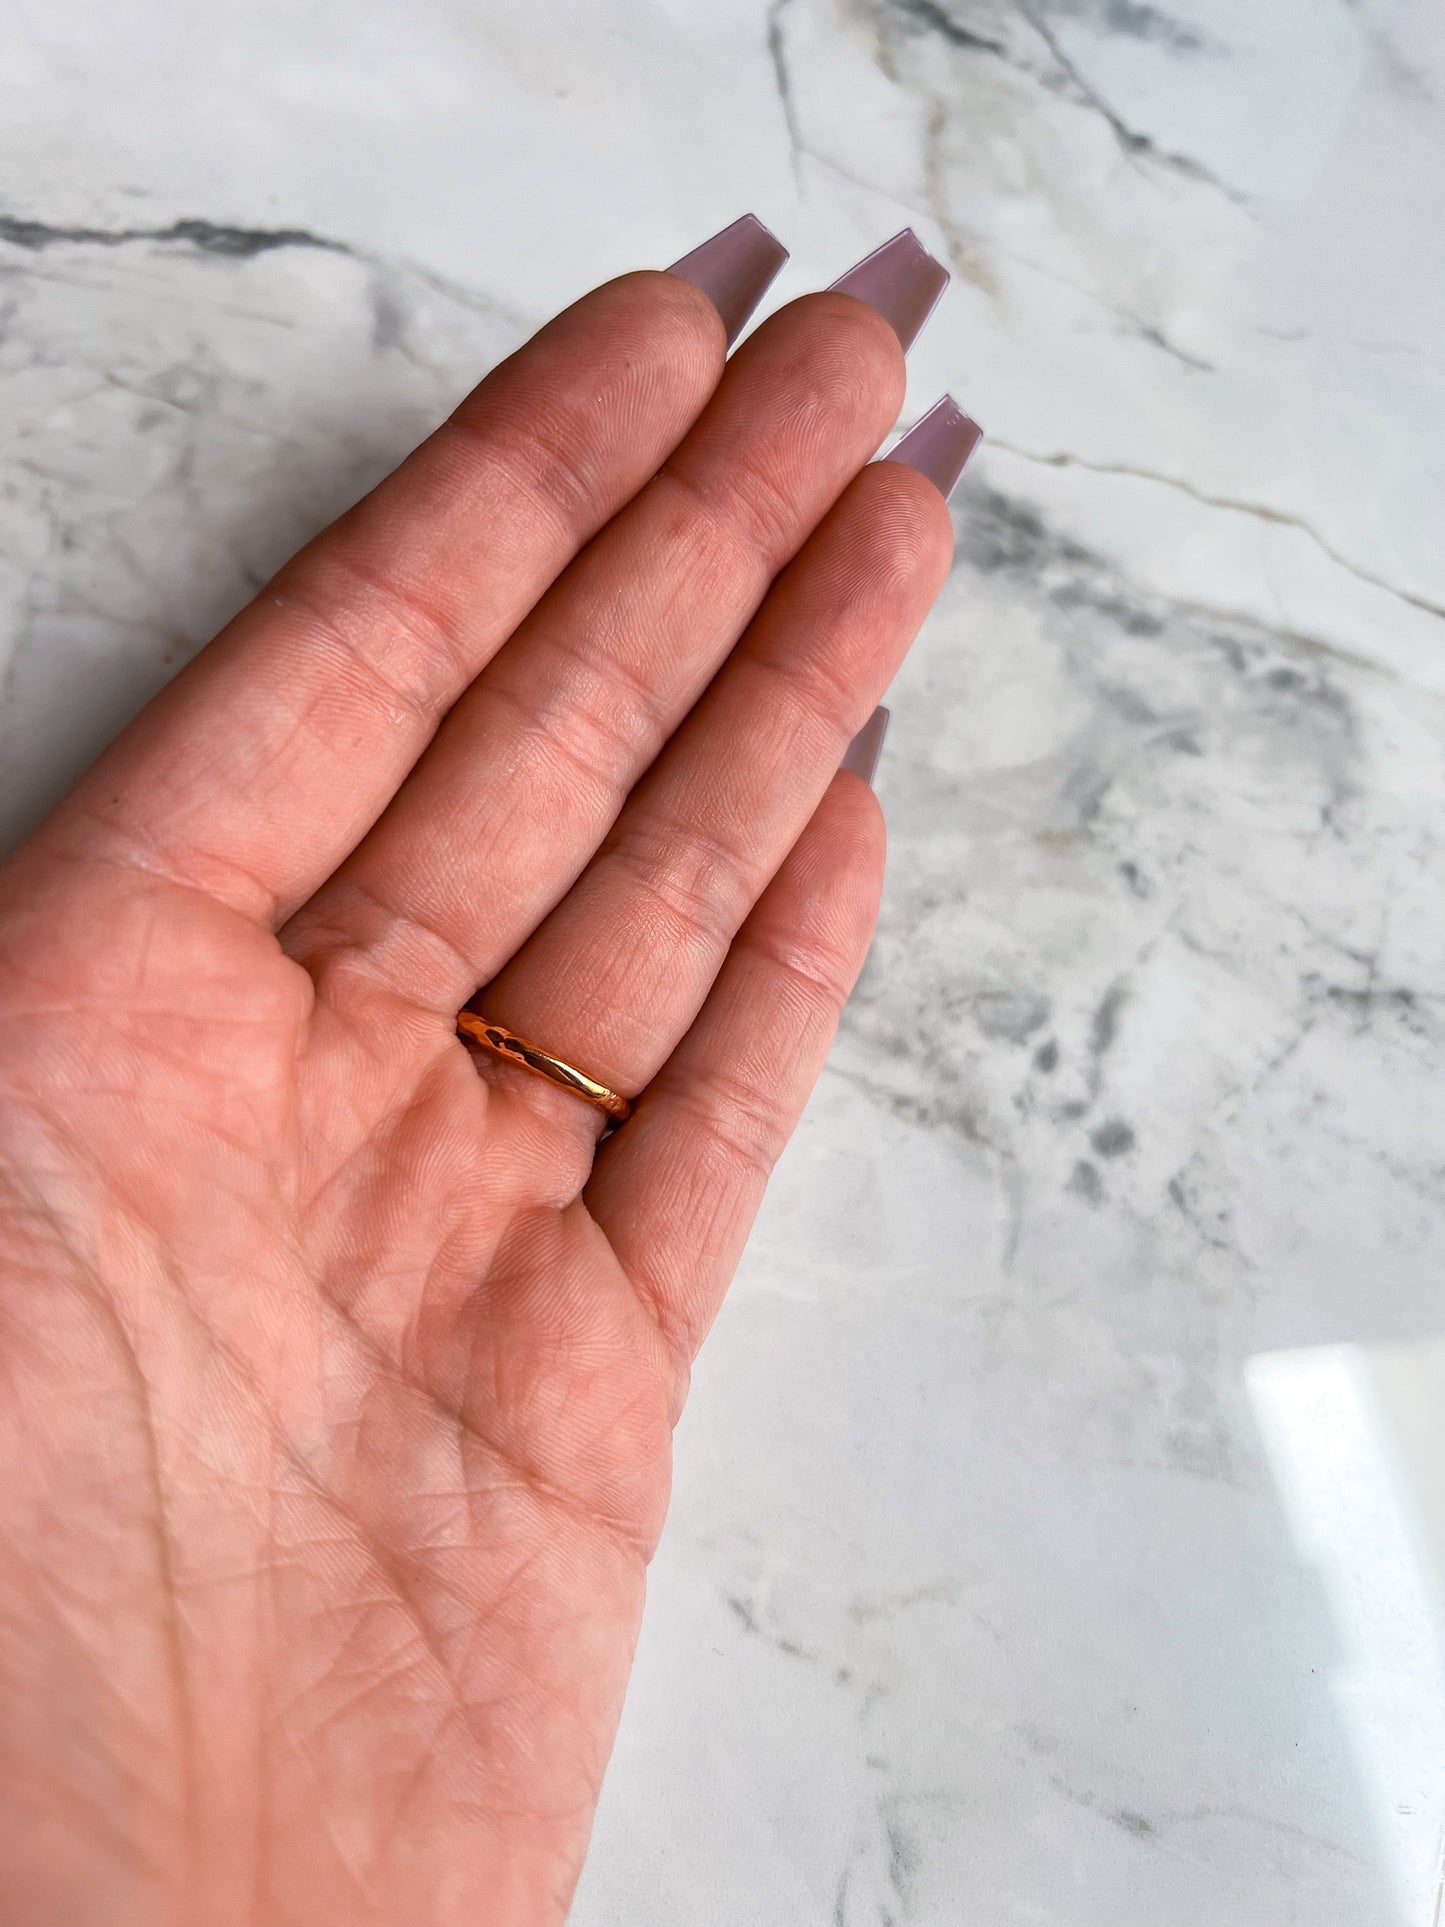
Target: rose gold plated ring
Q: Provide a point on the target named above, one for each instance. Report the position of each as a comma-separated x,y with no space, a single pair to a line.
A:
541,1063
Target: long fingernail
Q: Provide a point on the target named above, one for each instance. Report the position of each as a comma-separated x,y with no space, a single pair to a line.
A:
939,445
861,757
734,269
902,281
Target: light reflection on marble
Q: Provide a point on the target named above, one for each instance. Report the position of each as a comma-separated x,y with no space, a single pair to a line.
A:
1059,1524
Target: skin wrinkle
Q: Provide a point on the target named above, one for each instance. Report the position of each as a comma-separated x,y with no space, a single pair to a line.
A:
381,611
756,528
571,770
752,525
397,1592
330,954
646,1390
98,1815
128,1210
527,1478
426,1086
402,1800
702,886
99,1303
577,698
808,931
357,1882
587,680
813,690
185,1770
213,1132
261,1211
489,479
181,1298
161,869
230,1020
400,1594
831,987
743,1124
67,1606
717,561
688,1162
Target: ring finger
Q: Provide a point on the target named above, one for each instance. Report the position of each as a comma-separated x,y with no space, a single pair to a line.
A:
617,973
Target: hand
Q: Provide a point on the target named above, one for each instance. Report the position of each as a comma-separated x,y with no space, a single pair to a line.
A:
340,1365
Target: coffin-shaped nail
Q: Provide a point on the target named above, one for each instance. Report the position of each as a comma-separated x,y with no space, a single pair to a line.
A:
734,269
861,757
939,445
902,281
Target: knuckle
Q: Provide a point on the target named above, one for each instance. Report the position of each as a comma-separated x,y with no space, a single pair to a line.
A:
764,512
738,530
383,630
590,705
739,1119
814,968
552,456
696,882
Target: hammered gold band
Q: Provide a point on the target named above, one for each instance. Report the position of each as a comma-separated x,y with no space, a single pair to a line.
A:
541,1063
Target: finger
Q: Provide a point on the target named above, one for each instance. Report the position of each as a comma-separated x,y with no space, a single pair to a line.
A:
677,1189
260,766
530,769
619,970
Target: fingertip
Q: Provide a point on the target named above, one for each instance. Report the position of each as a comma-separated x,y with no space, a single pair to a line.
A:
871,336
671,313
912,518
862,827
835,307
829,890
851,353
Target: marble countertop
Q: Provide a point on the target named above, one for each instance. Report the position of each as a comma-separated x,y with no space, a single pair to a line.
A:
1060,1520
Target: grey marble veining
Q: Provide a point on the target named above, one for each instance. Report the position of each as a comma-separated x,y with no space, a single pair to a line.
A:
1059,1520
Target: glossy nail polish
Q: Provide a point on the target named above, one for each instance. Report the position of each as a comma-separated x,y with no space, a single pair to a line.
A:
734,269
902,281
861,756
938,445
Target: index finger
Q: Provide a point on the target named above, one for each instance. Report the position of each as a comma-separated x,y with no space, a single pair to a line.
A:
255,772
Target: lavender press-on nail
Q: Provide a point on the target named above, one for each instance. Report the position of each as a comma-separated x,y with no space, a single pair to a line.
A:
939,444
734,269
902,281
861,756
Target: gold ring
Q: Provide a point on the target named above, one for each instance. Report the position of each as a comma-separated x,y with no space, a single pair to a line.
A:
541,1063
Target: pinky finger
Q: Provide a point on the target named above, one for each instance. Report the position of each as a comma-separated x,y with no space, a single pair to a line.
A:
677,1189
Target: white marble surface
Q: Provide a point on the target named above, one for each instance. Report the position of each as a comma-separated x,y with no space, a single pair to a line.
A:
1060,1521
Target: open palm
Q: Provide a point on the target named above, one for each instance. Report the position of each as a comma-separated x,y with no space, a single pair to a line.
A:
340,1365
